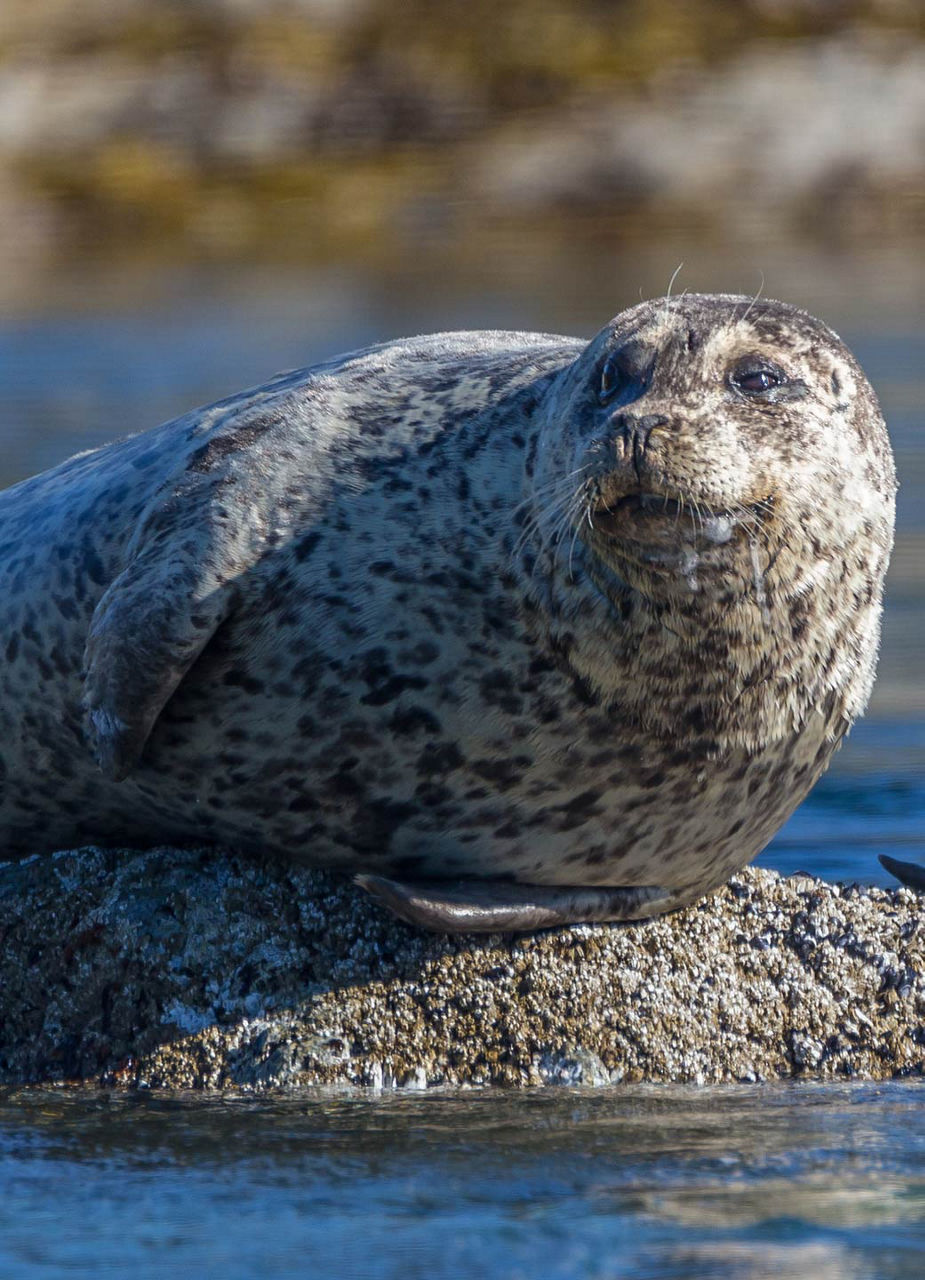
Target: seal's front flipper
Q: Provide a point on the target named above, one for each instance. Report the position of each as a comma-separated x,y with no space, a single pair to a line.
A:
907,873
147,630
156,617
497,906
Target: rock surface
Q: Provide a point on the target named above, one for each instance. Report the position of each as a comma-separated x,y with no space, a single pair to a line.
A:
199,969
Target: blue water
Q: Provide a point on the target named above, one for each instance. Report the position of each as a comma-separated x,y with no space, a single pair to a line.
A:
646,1182
871,801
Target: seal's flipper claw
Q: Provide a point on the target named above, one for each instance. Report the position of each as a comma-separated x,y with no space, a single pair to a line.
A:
498,906
908,873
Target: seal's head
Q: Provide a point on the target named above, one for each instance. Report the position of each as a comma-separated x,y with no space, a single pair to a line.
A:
728,466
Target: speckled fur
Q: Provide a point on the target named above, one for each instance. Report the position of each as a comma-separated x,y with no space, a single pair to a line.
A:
368,616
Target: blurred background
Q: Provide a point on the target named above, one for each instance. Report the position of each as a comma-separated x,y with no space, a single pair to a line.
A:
195,194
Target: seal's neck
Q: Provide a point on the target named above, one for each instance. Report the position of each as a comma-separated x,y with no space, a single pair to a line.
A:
739,674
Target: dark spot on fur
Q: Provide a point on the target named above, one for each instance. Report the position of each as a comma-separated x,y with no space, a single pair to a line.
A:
585,804
431,794
304,547
208,456
583,692
407,867
497,689
304,803
696,719
376,823
344,784
423,653
241,680
439,757
502,773
414,720
66,607
391,688
508,831
92,565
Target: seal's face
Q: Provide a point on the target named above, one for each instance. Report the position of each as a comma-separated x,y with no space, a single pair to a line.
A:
707,436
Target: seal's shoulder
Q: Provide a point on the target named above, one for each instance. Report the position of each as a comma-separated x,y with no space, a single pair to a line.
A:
391,394
482,360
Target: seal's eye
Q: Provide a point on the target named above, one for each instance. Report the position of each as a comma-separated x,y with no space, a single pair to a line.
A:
754,378
613,379
760,380
627,372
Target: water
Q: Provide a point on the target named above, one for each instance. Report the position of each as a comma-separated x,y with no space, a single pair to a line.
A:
736,1182
785,1181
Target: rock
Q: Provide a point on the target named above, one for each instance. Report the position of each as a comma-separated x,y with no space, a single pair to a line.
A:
197,968
762,141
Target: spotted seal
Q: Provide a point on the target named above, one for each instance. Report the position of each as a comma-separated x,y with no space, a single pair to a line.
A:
526,630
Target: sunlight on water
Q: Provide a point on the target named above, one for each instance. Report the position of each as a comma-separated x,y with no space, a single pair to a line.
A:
742,1182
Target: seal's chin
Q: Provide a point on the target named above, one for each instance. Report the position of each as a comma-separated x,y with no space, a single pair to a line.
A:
656,542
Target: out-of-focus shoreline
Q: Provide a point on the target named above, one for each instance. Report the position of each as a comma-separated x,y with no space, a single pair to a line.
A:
309,132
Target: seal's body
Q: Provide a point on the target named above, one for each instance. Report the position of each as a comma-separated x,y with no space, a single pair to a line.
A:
577,626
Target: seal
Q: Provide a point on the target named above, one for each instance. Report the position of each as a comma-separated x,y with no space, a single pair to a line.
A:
526,630
911,874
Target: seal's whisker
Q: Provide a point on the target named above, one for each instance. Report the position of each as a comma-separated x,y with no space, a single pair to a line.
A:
753,518
572,516
554,493
698,515
533,529
557,481
547,492
674,275
552,499
762,508
744,315
748,515
563,523
524,537
557,540
571,550
558,485
553,483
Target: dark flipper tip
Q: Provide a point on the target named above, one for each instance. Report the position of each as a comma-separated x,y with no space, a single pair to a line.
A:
908,873
486,906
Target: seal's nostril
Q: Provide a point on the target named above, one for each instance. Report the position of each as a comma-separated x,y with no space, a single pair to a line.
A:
633,432
648,423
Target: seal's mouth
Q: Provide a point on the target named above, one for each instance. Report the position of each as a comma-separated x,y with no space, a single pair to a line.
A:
656,517
659,503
